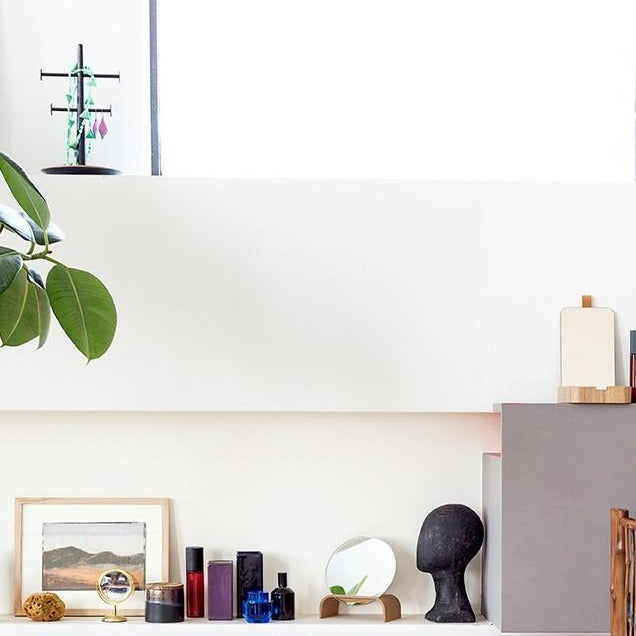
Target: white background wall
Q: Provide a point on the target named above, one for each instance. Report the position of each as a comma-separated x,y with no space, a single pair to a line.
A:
43,34
292,485
248,295
337,295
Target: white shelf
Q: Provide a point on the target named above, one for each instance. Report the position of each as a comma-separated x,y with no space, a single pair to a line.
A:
305,626
369,625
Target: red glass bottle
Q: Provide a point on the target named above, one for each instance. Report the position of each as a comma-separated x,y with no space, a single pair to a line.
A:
194,582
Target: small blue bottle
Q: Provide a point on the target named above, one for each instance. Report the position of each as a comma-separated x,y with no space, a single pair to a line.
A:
257,608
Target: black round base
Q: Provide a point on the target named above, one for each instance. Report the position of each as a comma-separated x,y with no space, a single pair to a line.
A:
80,170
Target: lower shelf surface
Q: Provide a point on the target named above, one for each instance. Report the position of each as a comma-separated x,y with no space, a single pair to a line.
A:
306,626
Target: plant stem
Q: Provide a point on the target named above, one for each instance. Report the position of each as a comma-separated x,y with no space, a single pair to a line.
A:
44,255
34,257
52,260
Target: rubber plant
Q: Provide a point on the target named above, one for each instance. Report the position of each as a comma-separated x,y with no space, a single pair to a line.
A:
80,301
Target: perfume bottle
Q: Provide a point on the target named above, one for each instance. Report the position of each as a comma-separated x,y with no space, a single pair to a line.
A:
282,600
257,608
194,582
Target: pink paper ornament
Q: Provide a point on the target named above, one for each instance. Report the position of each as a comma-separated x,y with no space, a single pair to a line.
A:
103,128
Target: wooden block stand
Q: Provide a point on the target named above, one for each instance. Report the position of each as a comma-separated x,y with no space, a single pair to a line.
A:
592,395
391,608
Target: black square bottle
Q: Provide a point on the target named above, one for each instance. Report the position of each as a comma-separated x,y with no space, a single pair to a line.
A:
283,600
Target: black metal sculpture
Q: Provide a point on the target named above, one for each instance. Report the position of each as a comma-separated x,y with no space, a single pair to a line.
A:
81,108
450,537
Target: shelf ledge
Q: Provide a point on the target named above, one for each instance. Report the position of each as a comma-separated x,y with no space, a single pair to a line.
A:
367,624
306,625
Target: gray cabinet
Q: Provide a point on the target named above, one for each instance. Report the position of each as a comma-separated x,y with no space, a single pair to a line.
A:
546,502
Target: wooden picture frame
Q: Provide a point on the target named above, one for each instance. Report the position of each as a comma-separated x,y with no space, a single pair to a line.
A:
33,515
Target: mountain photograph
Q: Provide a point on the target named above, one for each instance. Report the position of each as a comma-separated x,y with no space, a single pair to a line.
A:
75,554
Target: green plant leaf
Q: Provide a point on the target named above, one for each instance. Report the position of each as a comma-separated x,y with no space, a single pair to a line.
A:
25,193
10,265
84,308
26,228
338,590
16,221
44,313
19,320
53,232
34,276
356,588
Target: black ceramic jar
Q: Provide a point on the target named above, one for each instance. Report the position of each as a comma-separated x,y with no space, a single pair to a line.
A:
164,603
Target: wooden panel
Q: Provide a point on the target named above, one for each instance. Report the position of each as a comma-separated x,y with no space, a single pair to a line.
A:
592,395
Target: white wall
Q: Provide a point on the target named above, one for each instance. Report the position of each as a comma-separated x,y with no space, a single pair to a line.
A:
256,295
43,34
435,89
279,295
292,485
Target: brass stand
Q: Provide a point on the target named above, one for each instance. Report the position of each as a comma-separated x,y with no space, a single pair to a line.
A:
391,608
114,618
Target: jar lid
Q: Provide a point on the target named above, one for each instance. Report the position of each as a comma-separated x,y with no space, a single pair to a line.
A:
164,585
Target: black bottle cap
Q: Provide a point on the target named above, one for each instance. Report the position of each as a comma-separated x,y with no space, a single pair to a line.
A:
194,559
282,579
632,342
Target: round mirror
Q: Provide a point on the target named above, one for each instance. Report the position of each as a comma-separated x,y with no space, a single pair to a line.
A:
361,567
115,587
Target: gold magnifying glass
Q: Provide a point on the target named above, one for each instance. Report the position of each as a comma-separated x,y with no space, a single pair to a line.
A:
115,587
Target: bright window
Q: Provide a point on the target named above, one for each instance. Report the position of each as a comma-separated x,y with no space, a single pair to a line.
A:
432,89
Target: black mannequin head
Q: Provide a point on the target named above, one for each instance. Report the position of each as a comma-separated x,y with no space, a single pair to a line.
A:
450,537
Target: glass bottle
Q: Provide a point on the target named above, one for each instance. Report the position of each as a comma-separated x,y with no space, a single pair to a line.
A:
257,608
194,582
283,600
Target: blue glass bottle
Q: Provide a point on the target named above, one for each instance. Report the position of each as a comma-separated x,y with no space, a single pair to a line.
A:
257,608
282,600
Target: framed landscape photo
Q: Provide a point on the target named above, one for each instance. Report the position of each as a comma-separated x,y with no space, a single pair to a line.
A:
63,545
